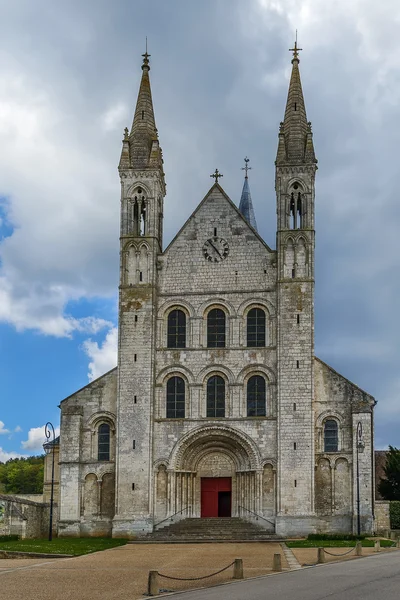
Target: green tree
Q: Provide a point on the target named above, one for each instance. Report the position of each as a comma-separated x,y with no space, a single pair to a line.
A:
22,475
389,488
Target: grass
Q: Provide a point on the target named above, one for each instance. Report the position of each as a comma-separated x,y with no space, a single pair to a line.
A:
336,543
74,546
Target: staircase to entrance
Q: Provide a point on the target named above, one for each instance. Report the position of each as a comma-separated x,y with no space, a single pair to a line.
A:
217,529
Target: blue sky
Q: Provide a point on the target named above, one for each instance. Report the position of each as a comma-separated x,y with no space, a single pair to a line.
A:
69,74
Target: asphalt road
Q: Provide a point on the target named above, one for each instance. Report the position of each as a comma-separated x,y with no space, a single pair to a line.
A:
372,578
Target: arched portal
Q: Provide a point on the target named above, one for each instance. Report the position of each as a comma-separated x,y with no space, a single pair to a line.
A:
215,471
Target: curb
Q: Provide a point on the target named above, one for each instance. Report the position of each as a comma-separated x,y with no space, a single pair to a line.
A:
20,554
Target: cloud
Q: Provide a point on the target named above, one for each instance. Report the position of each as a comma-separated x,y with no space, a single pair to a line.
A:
36,439
18,429
5,456
103,357
3,430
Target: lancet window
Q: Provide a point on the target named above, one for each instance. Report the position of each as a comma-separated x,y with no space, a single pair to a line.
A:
331,437
175,398
103,442
216,397
256,396
137,214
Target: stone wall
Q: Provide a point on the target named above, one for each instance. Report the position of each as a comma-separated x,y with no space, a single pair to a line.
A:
26,518
382,516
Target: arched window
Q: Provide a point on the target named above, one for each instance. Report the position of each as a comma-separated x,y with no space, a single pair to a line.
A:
296,209
216,328
256,404
176,329
175,398
256,328
331,438
103,442
216,397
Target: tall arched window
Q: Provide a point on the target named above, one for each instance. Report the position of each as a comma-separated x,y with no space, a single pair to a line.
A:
331,438
176,329
216,328
103,442
175,398
216,397
256,328
256,402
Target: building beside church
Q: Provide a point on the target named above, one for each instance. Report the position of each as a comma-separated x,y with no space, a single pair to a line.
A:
218,406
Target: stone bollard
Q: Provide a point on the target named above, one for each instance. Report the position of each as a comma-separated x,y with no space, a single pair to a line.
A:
152,587
358,549
377,547
398,542
321,556
277,563
238,569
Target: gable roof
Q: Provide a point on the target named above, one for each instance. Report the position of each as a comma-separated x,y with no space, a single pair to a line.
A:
87,385
216,186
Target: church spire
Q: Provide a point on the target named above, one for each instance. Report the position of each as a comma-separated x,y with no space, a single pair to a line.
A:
246,204
141,148
295,135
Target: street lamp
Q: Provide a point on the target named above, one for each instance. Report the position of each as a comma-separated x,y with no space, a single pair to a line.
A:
47,433
359,449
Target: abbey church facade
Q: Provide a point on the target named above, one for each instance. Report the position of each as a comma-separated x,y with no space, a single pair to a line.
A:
218,406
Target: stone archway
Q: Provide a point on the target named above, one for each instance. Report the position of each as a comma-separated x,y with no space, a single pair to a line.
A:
219,452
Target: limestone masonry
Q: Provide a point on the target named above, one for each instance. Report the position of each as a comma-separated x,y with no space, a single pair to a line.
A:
218,406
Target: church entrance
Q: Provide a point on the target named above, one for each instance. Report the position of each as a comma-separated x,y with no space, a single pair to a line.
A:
216,496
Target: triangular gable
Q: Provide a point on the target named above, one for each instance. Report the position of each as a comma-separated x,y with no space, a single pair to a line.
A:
214,187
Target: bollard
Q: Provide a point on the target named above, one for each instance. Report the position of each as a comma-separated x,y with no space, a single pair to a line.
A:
398,542
152,587
321,556
238,569
358,549
377,547
277,563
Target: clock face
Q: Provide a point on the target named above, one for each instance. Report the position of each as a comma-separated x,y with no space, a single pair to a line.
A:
215,249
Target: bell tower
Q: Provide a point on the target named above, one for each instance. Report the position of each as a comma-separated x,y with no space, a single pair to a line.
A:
142,198
296,166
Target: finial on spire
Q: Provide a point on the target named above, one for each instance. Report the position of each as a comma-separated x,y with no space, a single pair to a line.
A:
146,57
216,175
246,166
295,50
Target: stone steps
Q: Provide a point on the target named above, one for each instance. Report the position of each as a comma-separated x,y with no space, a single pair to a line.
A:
212,529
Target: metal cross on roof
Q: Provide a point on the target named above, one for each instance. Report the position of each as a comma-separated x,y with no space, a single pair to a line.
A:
246,166
216,175
295,50
146,55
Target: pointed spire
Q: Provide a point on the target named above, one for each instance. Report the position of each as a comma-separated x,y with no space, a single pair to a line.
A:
294,130
141,146
246,204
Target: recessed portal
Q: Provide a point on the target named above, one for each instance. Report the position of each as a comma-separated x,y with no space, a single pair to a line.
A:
216,496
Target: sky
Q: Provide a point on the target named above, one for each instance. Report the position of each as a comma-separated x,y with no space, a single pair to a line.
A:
69,76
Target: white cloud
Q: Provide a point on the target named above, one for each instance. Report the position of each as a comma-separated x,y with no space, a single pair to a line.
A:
5,456
18,429
114,117
3,430
103,357
36,439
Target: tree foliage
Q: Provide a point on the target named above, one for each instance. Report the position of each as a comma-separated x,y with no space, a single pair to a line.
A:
389,488
22,475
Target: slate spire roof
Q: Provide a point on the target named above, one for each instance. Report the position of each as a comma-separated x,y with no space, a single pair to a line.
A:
141,149
246,204
295,134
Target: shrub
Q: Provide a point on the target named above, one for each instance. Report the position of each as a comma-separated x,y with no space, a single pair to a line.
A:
394,514
335,536
9,538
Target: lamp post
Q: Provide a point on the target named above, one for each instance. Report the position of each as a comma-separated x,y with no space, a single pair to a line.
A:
359,448
47,433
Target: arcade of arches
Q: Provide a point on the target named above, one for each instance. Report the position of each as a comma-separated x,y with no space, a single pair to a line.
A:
215,472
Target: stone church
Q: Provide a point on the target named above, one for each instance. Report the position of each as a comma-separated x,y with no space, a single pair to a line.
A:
218,406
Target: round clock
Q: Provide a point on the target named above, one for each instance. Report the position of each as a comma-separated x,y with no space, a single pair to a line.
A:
215,249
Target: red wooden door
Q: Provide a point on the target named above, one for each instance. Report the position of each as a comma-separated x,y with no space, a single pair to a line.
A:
210,488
